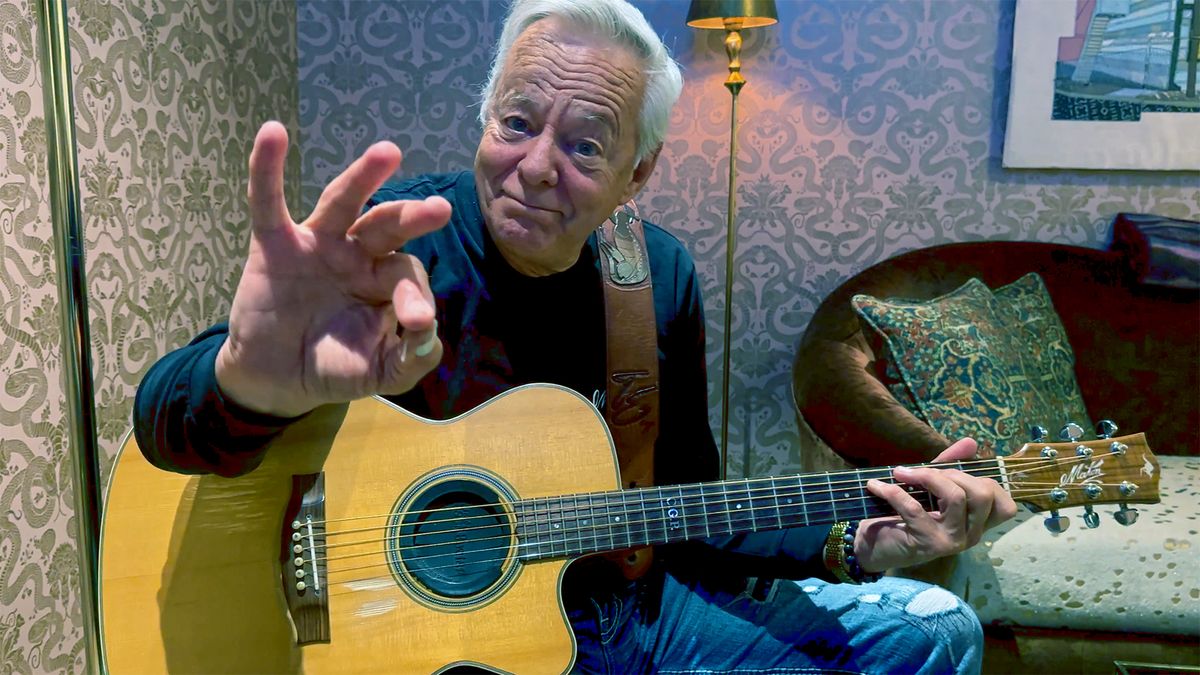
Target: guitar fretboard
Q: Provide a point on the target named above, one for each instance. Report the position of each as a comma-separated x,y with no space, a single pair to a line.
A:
574,525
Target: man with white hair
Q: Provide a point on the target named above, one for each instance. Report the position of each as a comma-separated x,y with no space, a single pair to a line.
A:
447,290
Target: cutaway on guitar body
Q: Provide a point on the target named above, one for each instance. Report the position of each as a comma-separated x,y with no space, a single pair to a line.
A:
415,564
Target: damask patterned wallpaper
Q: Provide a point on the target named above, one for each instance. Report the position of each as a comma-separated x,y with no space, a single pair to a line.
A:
39,575
168,94
868,128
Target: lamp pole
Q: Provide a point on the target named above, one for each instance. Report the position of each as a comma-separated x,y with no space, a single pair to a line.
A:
732,16
734,83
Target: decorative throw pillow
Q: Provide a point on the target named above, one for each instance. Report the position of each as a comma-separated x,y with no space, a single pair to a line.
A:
1049,359
960,362
972,363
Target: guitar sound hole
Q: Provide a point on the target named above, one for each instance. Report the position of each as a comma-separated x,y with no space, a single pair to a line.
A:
454,538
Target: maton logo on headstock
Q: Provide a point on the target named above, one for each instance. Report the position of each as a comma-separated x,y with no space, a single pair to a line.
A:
1083,472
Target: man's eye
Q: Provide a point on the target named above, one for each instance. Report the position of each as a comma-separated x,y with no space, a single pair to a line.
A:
587,149
516,124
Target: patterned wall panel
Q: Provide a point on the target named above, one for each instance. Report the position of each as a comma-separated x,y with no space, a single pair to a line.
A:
168,96
397,70
868,128
39,570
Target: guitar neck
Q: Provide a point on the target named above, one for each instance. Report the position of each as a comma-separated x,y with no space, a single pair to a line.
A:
580,524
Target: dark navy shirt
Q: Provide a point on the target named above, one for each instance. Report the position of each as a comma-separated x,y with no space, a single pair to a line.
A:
499,329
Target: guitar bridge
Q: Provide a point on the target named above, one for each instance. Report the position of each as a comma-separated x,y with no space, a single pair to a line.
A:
302,559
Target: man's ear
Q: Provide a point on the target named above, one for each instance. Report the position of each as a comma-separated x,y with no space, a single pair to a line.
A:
641,174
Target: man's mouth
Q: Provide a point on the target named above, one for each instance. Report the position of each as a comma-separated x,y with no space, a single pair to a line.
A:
531,207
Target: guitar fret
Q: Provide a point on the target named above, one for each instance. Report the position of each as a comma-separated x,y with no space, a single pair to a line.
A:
861,486
584,527
723,507
541,517
554,524
775,497
569,524
703,510
539,532
872,505
792,511
636,522
694,525
741,518
623,519
643,517
818,506
832,497
676,514
601,519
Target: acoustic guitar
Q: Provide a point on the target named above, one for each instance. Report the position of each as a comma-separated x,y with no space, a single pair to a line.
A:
371,540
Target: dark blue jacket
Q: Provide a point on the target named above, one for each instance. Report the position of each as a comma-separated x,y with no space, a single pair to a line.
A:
499,329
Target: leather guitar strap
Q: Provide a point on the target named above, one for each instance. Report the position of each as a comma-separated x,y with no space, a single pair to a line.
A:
631,394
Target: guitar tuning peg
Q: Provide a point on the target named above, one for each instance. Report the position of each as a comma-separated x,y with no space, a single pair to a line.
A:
1090,517
1037,434
1106,428
1125,515
1057,524
1070,432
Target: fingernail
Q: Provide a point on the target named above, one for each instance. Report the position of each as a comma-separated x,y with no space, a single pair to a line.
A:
425,349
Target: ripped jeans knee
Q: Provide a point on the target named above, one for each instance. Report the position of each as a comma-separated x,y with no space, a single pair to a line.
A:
910,625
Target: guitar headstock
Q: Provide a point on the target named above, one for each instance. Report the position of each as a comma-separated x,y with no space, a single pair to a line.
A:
1053,476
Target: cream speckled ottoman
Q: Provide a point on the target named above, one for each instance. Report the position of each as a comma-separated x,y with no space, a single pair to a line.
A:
1144,578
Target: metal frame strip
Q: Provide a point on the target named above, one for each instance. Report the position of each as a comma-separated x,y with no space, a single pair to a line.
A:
64,184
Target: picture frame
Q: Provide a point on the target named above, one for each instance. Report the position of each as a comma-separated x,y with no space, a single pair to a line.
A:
1104,69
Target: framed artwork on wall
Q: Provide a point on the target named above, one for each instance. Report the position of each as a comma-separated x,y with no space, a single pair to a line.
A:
1104,84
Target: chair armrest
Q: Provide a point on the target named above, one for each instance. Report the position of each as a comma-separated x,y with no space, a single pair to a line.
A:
848,408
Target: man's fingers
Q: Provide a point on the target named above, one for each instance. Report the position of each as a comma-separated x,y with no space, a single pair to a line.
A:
387,227
415,354
901,502
268,210
401,279
963,448
951,497
343,199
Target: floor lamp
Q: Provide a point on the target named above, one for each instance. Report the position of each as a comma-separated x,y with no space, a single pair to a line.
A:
732,16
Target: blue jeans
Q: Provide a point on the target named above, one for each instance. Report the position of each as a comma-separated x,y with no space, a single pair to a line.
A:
687,623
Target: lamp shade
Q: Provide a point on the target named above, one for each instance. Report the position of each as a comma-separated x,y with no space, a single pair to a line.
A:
715,13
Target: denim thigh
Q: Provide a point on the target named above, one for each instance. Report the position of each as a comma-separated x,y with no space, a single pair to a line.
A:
710,624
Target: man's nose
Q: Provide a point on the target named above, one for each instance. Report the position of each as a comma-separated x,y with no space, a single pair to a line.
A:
539,165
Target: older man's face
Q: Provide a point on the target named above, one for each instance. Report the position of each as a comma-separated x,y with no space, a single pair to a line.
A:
558,149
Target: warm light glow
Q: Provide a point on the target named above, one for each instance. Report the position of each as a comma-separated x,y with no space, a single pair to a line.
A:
737,14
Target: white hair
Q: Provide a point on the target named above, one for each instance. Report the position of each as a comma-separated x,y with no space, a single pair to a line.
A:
626,25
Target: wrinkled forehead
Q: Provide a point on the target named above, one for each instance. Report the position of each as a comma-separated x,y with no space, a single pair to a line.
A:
553,57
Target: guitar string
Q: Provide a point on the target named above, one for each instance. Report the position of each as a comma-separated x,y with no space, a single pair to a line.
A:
622,502
987,464
563,540
524,517
622,498
980,463
584,528
410,561
643,522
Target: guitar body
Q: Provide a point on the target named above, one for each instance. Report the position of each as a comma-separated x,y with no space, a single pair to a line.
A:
192,579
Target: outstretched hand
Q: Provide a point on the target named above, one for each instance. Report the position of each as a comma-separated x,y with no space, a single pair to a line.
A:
327,310
967,507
